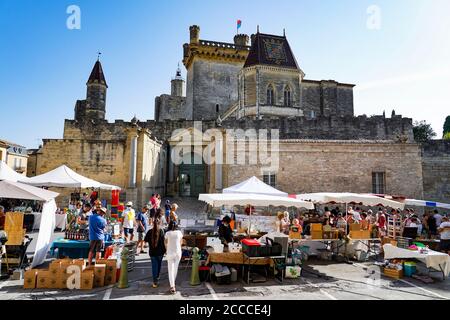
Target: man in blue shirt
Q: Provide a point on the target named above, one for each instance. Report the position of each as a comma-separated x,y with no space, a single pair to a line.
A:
97,225
141,221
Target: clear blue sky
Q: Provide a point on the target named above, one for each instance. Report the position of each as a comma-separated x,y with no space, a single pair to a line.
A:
44,66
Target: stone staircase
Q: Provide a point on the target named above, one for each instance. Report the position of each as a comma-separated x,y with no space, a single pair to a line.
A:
188,208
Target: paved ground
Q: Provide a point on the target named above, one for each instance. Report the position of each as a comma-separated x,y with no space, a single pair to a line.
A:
337,282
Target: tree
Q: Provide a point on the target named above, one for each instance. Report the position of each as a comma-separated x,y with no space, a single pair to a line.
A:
446,126
447,136
423,131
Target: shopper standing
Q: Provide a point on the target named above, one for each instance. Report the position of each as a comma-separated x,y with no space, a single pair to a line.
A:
173,217
157,249
97,225
129,221
141,222
173,242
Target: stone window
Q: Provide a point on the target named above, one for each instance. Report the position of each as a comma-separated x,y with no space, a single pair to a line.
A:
217,108
378,182
287,97
270,95
270,178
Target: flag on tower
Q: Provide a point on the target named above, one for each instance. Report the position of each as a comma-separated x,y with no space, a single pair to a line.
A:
239,24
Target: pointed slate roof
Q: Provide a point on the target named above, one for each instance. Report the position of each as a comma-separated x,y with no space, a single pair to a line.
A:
271,50
97,75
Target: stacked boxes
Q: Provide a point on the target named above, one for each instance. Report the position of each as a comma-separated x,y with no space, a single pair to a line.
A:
57,275
30,278
111,271
99,275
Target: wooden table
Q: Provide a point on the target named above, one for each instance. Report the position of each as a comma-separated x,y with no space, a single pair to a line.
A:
233,258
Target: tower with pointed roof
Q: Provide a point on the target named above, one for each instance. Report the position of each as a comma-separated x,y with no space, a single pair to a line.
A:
94,107
177,84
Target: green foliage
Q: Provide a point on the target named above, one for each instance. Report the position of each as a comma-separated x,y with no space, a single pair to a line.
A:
447,136
446,126
423,131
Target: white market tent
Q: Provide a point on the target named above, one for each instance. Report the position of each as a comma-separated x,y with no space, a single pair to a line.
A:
253,192
346,198
424,203
255,186
261,200
8,174
64,177
17,190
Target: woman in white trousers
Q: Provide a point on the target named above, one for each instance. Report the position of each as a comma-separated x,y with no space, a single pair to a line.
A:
173,241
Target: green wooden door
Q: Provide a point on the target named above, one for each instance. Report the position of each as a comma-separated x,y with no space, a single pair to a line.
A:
192,180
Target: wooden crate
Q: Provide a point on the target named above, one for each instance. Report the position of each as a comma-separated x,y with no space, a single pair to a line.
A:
43,279
15,238
13,222
87,280
99,275
354,227
393,273
30,278
316,235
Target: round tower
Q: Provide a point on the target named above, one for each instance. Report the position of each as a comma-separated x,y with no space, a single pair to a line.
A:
177,84
241,40
195,34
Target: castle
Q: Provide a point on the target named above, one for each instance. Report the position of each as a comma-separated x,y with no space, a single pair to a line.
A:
322,145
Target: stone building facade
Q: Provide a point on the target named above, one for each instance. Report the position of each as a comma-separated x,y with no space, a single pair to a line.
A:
246,85
436,170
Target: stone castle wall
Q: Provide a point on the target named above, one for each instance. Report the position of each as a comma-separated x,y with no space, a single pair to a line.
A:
329,128
169,107
436,170
339,166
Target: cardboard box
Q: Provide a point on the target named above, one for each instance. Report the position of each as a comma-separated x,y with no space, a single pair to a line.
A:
393,273
80,262
316,227
316,235
43,279
99,275
55,269
87,280
111,270
53,281
30,279
62,280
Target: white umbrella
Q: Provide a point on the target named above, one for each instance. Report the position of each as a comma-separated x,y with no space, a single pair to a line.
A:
363,199
6,173
64,177
424,203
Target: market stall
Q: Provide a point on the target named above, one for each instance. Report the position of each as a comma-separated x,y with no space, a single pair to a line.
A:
425,203
16,190
8,174
253,193
433,260
354,239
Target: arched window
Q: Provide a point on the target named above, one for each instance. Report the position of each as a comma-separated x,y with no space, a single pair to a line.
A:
287,97
270,95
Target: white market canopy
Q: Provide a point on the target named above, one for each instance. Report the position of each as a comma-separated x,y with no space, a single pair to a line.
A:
17,190
8,174
64,177
363,199
424,203
257,200
254,186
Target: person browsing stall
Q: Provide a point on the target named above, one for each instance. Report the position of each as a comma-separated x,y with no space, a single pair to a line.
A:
141,222
444,231
129,221
97,225
225,232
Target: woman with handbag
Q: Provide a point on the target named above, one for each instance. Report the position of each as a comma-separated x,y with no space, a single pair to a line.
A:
157,248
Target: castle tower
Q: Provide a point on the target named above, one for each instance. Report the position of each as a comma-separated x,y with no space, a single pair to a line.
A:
177,84
94,107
